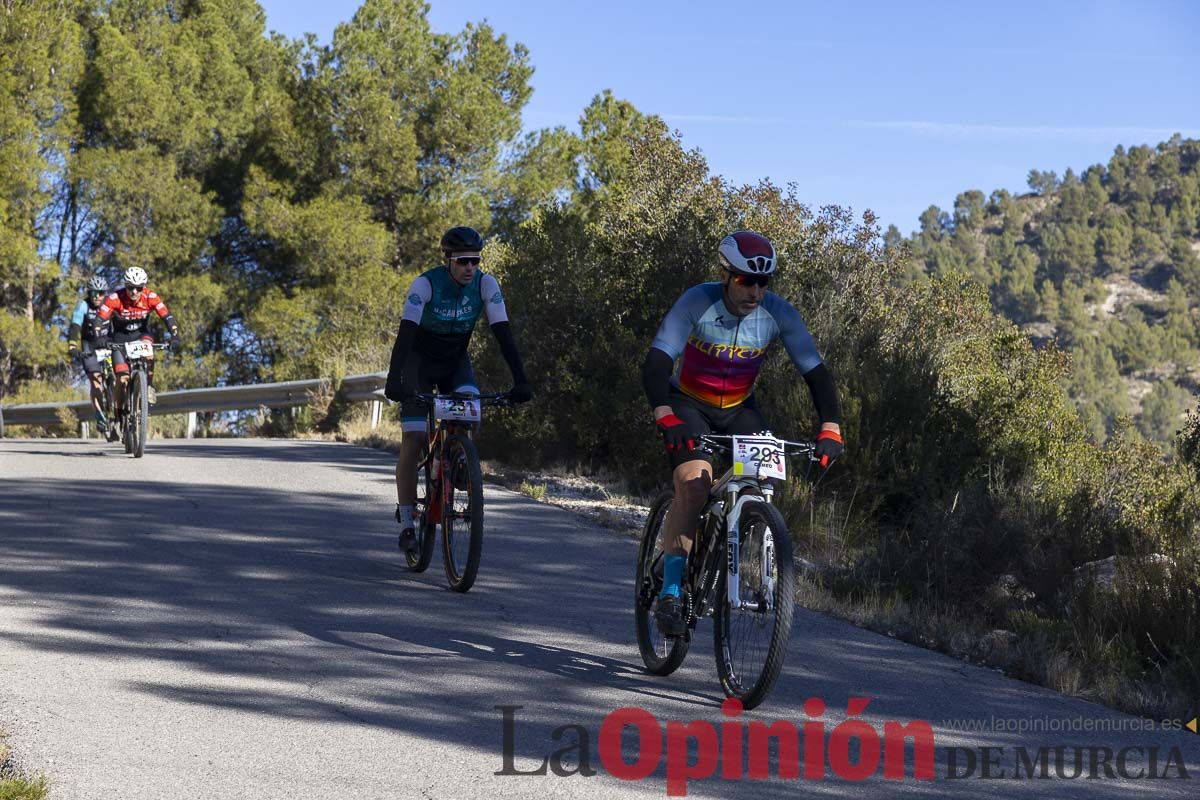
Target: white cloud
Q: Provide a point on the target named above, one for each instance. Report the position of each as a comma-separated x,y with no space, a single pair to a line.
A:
955,130
719,119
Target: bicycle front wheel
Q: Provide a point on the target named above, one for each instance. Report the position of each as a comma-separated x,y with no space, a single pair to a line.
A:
751,640
660,654
462,518
139,413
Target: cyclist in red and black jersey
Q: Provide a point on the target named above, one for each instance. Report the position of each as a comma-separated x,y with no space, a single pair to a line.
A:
129,309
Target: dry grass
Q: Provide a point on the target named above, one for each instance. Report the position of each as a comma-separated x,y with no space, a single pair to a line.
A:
1032,651
15,786
534,491
358,431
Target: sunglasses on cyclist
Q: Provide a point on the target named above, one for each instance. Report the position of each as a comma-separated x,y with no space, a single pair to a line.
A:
468,261
742,279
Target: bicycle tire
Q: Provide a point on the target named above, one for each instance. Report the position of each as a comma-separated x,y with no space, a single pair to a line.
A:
752,689
661,655
126,428
464,477
139,413
114,425
426,531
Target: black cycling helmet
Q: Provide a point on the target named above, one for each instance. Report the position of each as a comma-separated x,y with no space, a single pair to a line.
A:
461,239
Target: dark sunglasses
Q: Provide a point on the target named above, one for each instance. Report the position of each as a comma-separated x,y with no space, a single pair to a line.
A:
468,261
742,279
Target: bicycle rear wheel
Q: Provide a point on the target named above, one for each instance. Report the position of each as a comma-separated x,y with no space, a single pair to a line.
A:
462,518
426,531
114,424
661,655
751,641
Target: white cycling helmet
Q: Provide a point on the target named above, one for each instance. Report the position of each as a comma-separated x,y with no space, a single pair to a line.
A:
747,252
136,276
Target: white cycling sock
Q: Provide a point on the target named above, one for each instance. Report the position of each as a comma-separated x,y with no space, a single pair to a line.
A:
406,517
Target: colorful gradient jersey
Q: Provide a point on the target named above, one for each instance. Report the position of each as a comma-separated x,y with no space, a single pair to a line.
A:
721,352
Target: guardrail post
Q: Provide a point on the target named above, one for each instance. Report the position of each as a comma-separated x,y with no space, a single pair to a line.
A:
191,425
85,430
376,413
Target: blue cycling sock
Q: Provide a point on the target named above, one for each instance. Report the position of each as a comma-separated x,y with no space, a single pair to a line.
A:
672,575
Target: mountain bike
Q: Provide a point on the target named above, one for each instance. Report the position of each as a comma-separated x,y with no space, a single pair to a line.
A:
450,487
740,571
133,420
108,381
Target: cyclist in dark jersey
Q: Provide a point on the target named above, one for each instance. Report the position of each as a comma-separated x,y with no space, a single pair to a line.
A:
86,334
719,333
440,312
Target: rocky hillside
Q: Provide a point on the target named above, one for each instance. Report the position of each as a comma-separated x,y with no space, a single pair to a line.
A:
1105,264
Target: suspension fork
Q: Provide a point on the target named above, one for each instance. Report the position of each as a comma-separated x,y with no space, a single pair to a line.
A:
733,545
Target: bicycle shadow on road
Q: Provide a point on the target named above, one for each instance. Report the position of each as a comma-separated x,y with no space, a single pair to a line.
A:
216,585
273,603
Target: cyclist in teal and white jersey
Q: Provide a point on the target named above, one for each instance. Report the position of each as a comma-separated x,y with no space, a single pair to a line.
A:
440,312
87,333
719,332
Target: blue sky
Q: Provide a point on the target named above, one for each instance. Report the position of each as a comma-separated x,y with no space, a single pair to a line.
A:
887,106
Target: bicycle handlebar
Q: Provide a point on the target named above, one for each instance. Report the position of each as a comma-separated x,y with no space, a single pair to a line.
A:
493,398
725,442
115,345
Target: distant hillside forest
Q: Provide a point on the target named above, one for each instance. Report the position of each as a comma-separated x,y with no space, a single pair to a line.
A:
1105,264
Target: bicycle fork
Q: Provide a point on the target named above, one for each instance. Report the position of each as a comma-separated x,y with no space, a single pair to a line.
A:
733,550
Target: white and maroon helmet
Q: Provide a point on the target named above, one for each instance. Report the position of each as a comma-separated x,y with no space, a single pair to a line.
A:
747,252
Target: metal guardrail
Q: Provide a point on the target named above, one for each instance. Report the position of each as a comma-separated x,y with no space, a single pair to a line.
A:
354,388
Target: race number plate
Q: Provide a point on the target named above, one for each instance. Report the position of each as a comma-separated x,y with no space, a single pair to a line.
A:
760,456
139,349
460,410
103,354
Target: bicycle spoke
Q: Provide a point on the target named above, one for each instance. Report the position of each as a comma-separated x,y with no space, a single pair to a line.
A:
752,638
661,655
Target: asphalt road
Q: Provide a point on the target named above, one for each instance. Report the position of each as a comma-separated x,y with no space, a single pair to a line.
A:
231,619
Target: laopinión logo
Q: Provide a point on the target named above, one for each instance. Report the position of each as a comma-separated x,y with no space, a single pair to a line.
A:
738,751
853,750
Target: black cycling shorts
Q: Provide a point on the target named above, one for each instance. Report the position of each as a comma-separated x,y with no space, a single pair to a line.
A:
423,374
739,420
91,364
119,362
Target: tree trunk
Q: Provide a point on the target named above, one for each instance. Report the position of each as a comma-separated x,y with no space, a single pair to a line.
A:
29,288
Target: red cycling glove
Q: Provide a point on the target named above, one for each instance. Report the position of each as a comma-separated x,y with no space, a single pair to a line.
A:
675,433
829,447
